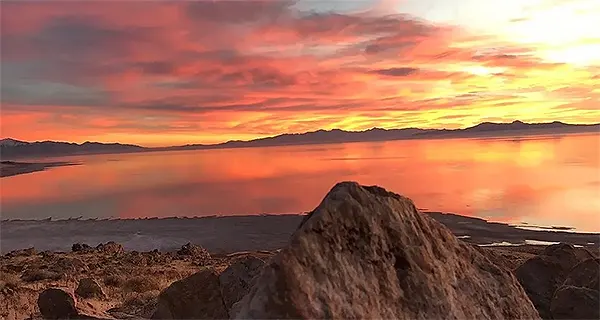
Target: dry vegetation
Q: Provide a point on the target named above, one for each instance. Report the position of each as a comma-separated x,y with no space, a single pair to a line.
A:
130,280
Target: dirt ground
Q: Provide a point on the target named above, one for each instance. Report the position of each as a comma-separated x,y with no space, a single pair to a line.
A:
131,280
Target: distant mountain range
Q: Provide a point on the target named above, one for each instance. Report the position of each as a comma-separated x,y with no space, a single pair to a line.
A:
11,148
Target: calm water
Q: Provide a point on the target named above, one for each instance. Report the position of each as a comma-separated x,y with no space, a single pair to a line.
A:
550,181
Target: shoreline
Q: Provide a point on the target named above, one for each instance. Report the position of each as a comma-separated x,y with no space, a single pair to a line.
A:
199,147
10,168
227,234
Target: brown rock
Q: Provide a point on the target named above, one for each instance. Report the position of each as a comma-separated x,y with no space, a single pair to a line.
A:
585,274
81,247
238,278
368,253
88,288
200,255
579,296
195,297
571,302
540,276
68,265
37,274
55,303
22,252
110,247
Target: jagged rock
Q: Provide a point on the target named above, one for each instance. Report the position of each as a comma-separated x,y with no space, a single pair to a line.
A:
37,274
67,265
571,302
541,275
22,252
579,296
195,297
81,247
88,288
110,247
238,278
367,253
200,255
55,303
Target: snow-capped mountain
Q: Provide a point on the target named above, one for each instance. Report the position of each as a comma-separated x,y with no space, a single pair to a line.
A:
9,142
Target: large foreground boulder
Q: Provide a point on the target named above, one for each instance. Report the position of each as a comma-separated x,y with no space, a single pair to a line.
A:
543,274
367,253
195,297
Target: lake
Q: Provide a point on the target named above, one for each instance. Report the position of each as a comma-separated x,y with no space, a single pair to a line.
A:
543,181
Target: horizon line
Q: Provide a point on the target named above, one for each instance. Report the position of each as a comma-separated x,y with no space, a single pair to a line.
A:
301,133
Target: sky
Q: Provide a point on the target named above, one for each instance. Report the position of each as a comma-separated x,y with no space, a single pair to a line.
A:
159,73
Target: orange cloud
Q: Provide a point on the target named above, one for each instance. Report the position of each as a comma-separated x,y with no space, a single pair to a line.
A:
180,72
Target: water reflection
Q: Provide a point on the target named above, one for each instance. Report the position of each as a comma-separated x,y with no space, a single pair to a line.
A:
538,181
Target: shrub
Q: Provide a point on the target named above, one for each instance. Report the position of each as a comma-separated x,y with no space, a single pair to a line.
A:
32,275
142,284
9,280
113,280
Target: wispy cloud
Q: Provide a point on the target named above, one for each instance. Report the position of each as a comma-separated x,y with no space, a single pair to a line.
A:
207,71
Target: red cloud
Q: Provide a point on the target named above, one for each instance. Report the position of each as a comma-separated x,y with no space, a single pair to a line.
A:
251,68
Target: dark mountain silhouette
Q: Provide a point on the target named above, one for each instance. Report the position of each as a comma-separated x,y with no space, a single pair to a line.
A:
11,148
314,137
516,127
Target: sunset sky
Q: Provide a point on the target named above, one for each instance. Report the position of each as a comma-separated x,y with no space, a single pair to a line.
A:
175,72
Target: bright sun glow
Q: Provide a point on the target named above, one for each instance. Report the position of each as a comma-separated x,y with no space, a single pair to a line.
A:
568,33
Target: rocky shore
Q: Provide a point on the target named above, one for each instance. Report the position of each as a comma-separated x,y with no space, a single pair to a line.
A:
363,252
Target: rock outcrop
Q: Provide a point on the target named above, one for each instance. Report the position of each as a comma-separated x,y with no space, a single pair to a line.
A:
238,278
195,297
368,253
198,253
110,247
579,296
543,274
81,247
